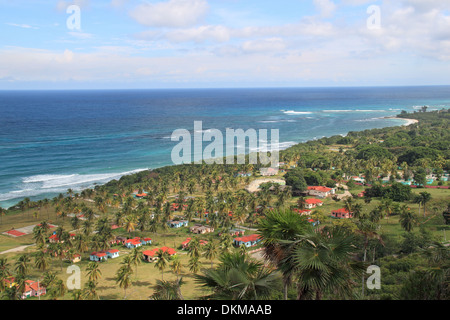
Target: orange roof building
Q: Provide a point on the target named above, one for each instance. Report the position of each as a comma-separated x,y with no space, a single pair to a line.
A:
151,255
341,213
312,203
248,241
320,191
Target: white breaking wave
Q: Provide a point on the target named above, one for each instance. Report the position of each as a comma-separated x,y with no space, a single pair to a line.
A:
50,181
348,110
292,112
370,119
266,147
277,121
59,183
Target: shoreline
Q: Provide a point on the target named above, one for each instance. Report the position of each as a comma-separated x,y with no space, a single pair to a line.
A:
408,122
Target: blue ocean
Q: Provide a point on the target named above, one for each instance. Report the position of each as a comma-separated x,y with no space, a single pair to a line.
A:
51,141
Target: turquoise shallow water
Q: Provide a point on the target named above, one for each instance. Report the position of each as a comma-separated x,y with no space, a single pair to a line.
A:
54,140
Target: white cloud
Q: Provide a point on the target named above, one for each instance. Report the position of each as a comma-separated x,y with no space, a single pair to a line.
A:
326,7
62,5
424,6
200,34
173,13
118,3
264,45
413,46
81,35
25,26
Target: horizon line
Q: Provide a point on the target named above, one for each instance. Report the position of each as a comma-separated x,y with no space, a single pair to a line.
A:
231,88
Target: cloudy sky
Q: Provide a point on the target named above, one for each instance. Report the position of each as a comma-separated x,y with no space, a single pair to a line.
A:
223,43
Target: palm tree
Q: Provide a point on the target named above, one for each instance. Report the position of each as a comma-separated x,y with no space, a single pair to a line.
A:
194,264
58,289
407,218
41,261
93,271
90,291
348,204
239,278
388,207
194,247
176,266
4,273
21,266
163,261
168,290
49,279
136,258
81,243
39,236
210,251
123,278
87,227
11,293
424,198
323,261
226,242
357,210
277,227
20,281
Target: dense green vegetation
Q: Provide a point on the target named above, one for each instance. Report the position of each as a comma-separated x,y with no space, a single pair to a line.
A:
394,226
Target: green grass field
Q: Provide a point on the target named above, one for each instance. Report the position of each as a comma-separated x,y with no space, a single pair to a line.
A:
147,275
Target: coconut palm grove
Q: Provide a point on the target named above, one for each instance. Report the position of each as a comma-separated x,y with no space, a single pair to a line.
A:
358,217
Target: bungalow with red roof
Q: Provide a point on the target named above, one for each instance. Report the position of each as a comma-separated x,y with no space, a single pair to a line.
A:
321,192
53,238
170,251
133,243
186,242
248,241
112,253
311,203
341,213
98,256
33,289
151,255
141,195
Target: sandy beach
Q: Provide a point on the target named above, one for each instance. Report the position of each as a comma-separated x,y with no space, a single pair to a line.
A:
408,121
